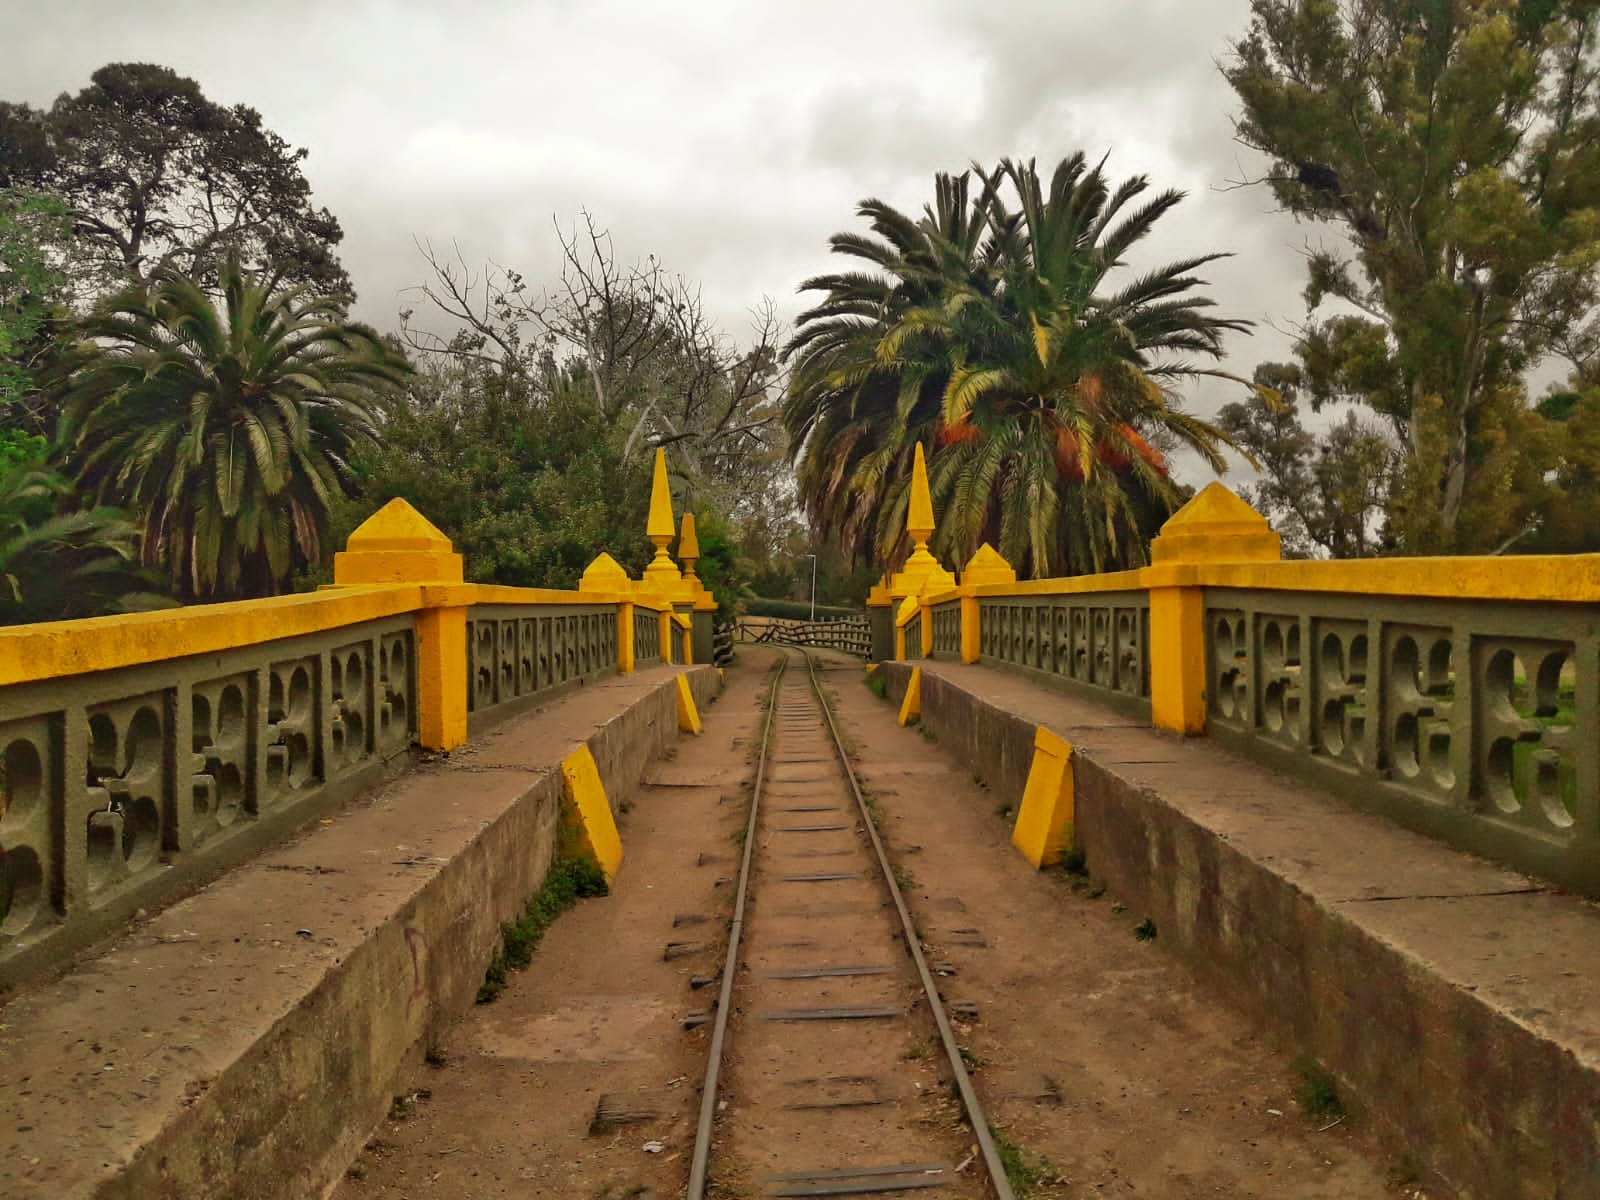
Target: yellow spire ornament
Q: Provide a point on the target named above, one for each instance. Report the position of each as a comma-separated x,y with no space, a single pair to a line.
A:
662,574
922,571
688,546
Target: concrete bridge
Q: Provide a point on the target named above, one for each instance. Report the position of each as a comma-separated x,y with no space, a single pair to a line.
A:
1228,876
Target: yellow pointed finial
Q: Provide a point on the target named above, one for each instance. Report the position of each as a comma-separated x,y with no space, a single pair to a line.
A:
919,513
688,546
921,569
661,573
660,523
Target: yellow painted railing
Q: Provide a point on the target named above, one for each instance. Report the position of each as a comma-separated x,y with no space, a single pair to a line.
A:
1460,696
141,752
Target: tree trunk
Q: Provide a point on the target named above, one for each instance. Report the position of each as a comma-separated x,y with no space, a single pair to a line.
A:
1455,475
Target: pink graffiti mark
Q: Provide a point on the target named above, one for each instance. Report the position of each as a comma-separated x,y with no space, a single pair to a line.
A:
418,945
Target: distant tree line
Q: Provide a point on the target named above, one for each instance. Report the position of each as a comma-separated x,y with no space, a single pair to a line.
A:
187,412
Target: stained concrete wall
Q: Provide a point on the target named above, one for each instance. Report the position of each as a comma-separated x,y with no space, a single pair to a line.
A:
1438,989
244,1042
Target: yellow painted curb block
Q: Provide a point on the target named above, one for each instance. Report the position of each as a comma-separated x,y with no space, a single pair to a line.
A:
872,668
586,813
911,706
688,715
1045,819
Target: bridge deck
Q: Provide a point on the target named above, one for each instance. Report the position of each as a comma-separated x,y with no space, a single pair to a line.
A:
1090,1048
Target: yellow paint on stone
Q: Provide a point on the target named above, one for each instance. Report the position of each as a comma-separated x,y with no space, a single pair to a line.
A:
688,545
1044,826
1215,526
985,568
605,574
397,544
442,678
911,705
57,649
661,577
688,714
586,814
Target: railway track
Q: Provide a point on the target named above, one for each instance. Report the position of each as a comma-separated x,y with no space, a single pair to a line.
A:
834,1069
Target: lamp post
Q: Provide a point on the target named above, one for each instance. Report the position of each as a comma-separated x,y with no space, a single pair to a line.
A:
813,559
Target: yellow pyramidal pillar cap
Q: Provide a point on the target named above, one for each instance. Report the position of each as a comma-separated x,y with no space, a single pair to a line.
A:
397,544
604,574
922,571
1215,526
662,574
987,566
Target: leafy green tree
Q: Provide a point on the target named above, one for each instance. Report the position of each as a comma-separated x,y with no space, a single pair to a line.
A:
58,563
1006,339
157,177
228,426
34,229
1455,146
526,479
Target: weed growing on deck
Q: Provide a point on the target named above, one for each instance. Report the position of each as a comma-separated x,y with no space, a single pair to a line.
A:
878,685
568,881
1145,930
928,735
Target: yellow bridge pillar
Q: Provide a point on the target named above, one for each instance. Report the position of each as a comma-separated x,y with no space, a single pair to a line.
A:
397,544
605,574
986,566
1215,526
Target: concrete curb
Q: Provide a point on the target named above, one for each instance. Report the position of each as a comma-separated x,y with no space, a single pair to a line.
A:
244,1042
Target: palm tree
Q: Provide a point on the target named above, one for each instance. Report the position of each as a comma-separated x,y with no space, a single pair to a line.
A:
1049,391
228,427
854,419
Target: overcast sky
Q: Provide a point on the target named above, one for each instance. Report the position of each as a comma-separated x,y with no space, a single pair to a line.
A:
730,139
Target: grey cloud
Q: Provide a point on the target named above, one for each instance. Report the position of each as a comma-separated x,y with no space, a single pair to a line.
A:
728,138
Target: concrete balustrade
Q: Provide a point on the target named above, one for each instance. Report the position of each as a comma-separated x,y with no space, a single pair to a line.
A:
142,753
1448,694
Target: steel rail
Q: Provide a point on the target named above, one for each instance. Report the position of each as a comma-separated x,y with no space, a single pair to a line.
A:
719,1028
969,1096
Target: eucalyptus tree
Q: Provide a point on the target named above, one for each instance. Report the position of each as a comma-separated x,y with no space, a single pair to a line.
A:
1454,150
228,425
